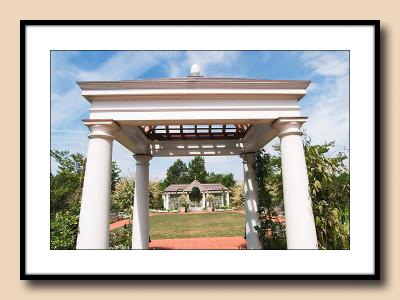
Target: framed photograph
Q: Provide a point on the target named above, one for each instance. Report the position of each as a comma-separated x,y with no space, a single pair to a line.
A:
200,150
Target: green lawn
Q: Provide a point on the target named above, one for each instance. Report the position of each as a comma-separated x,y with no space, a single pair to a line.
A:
175,226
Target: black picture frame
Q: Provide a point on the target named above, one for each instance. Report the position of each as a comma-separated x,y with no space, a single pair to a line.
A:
23,179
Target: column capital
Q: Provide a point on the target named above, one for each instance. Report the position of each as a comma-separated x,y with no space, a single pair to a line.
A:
142,159
248,157
102,128
289,126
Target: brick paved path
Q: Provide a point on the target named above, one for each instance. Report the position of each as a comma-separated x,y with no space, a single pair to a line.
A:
220,243
119,224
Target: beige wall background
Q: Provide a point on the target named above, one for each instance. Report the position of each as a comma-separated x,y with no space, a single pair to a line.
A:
12,11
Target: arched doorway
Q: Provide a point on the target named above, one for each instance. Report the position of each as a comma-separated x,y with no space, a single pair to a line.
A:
195,197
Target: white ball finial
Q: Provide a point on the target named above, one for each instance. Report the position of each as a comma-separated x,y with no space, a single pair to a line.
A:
195,70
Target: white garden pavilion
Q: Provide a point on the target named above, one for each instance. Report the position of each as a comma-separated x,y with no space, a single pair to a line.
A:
193,116
205,189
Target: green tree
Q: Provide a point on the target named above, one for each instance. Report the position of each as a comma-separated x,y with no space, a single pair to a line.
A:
122,196
65,196
64,227
177,173
67,183
155,195
237,197
115,175
195,195
197,169
329,182
329,187
225,179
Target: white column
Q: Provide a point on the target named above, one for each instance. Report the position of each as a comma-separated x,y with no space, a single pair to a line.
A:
94,219
167,201
300,226
140,227
163,198
250,202
203,202
227,199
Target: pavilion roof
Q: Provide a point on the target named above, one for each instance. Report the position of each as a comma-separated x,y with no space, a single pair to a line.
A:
195,82
215,187
194,115
203,187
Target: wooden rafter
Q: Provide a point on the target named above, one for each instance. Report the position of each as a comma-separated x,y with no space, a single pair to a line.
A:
193,132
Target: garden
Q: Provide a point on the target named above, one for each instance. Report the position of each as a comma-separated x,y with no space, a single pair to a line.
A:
329,183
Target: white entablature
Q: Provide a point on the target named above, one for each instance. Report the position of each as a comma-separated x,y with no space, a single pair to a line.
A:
188,105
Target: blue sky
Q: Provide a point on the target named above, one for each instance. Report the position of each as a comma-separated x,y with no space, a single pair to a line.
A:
326,104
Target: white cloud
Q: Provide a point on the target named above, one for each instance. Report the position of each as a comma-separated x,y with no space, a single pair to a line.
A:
212,63
327,102
326,63
329,113
125,65
69,106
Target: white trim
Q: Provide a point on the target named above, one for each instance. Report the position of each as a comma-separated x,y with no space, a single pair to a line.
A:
191,82
209,103
190,148
163,92
246,116
196,152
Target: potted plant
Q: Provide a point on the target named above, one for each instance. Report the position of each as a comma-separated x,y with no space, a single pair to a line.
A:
210,203
183,203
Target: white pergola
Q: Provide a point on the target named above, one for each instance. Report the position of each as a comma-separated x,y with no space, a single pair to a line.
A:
192,116
205,190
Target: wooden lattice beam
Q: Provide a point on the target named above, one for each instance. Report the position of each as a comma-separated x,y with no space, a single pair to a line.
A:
189,132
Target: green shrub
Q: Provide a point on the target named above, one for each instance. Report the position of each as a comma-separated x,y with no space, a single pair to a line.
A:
329,187
63,230
272,234
122,197
183,201
121,239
